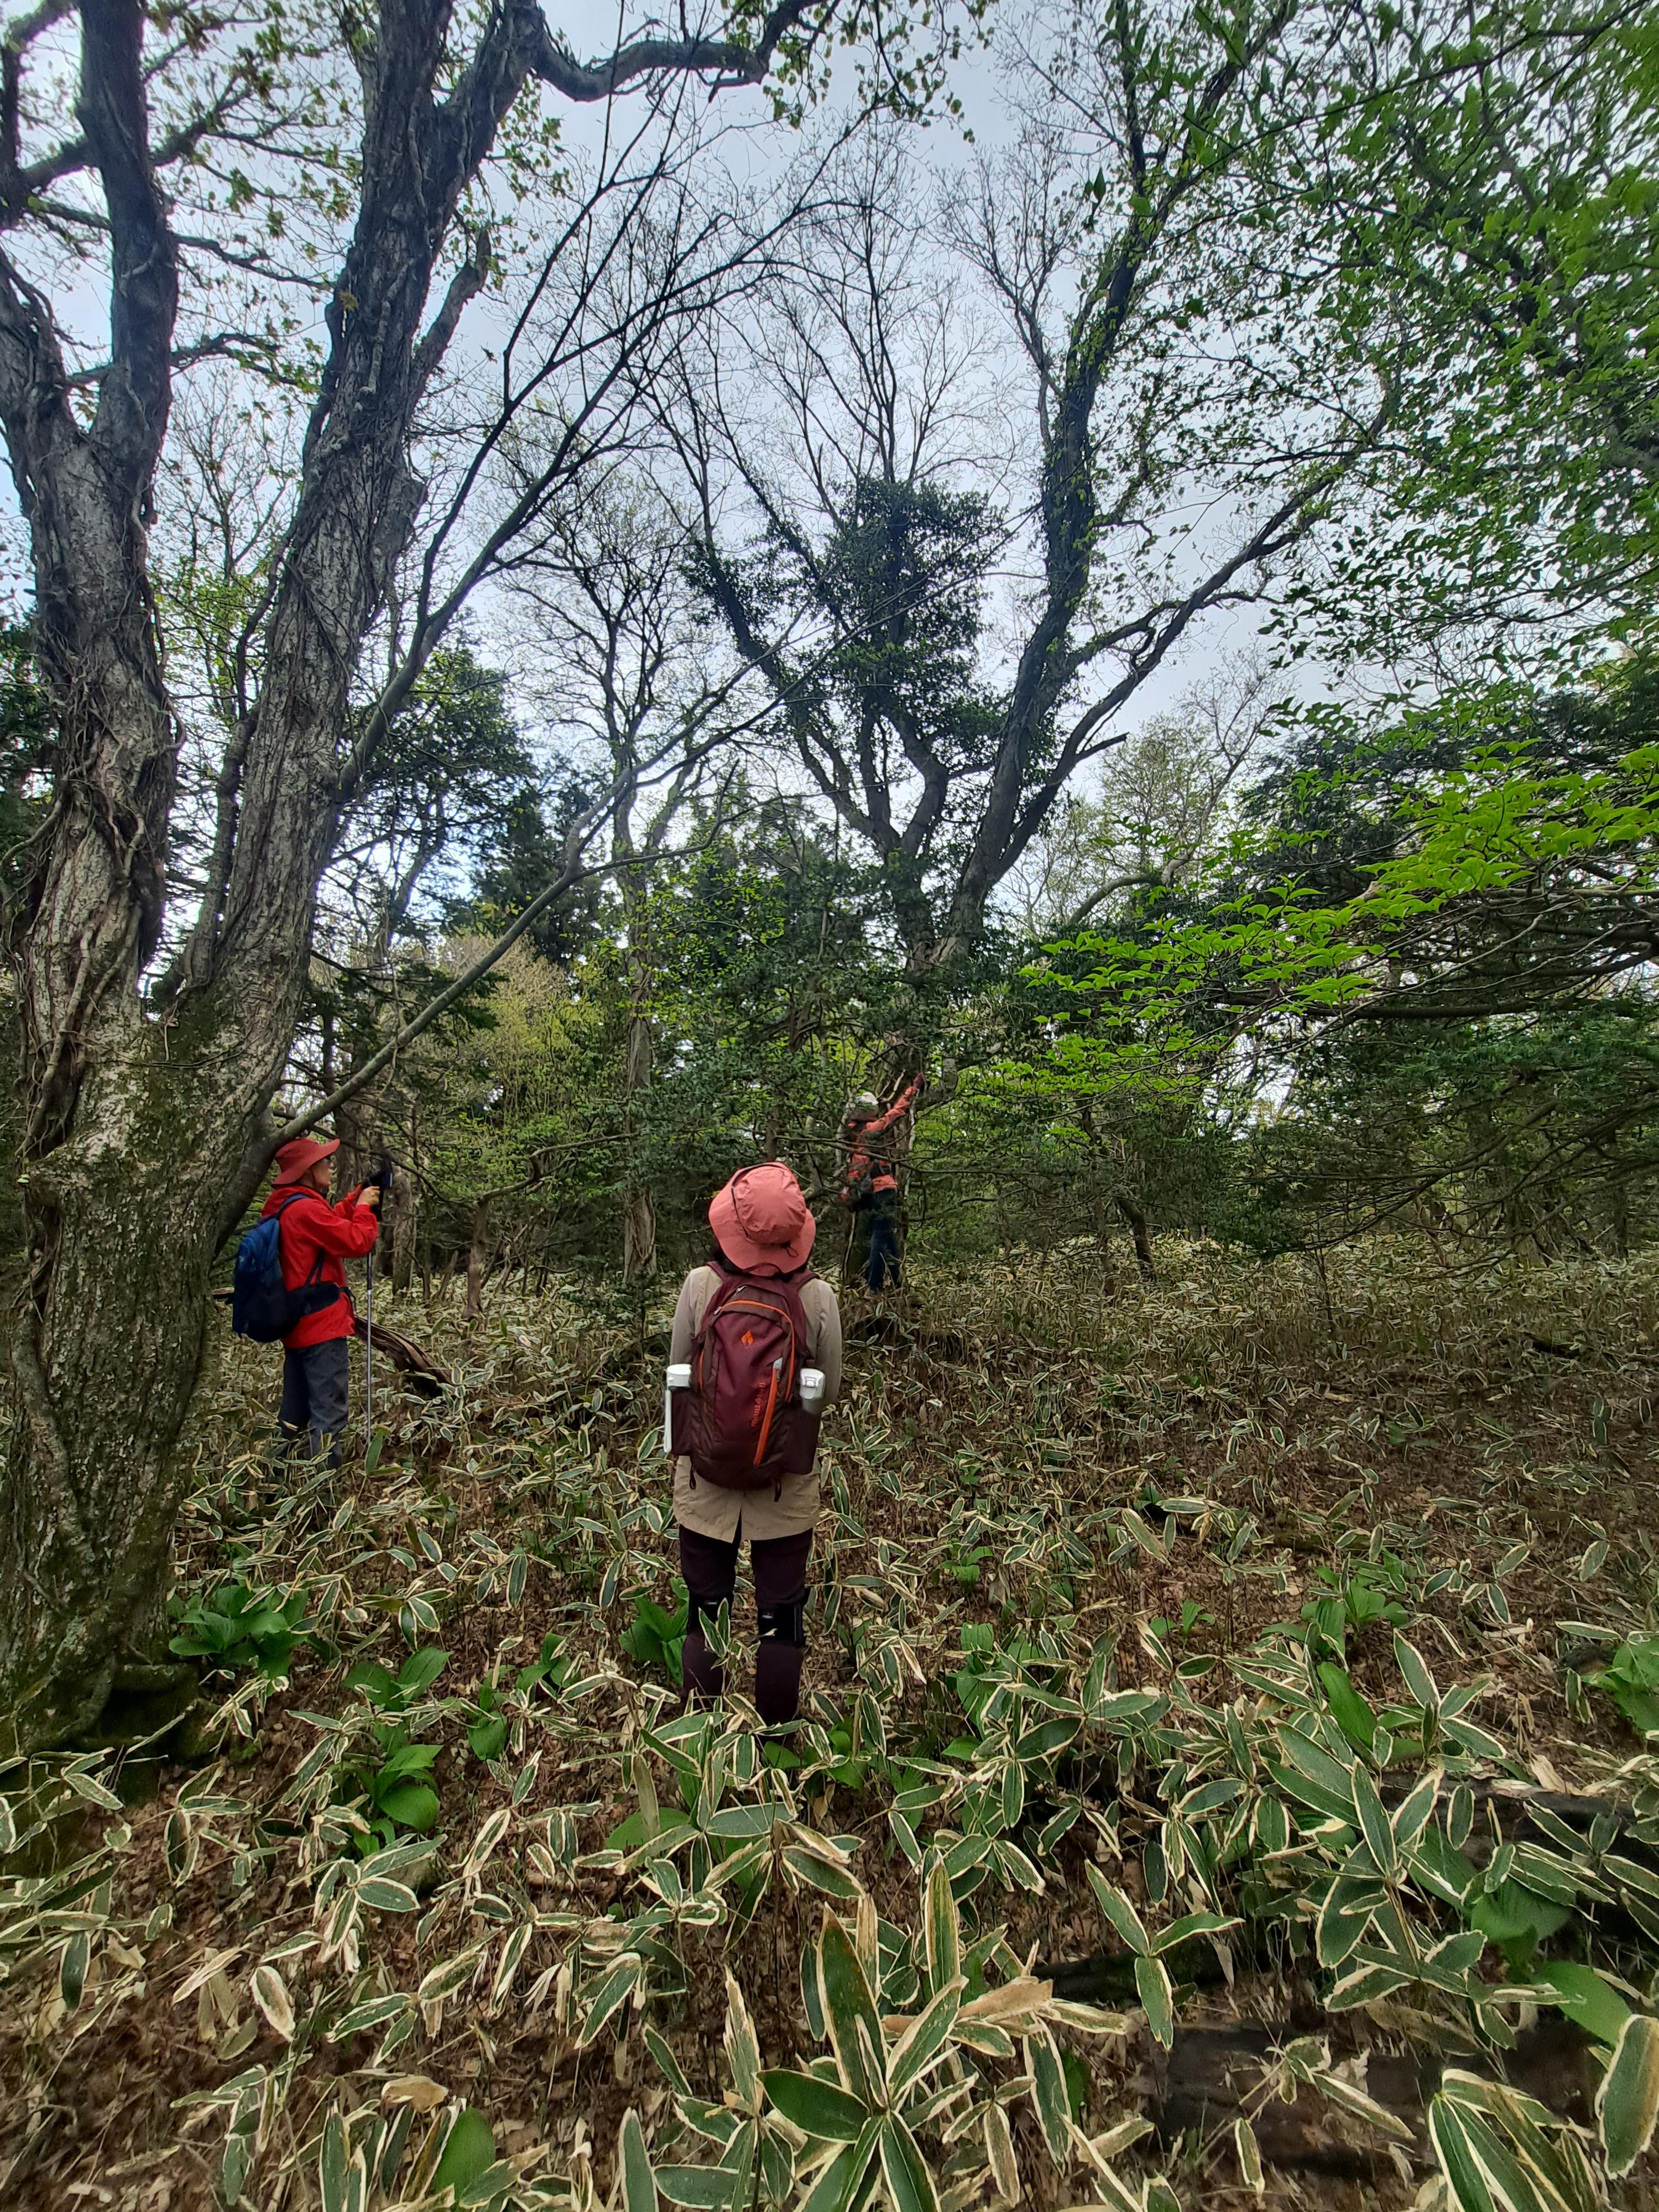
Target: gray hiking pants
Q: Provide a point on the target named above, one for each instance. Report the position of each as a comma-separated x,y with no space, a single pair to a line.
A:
316,1386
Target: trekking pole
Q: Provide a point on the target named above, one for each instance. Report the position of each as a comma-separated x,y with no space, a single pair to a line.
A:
368,1354
383,1178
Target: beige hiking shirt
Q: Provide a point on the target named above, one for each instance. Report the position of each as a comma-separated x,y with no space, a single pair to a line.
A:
754,1514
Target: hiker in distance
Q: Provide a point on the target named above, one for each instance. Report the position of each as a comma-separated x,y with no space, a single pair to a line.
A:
311,1311
754,1359
869,1181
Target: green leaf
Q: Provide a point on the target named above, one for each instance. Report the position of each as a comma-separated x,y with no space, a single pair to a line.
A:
411,1805
1627,2103
468,2150
420,1670
1349,1709
819,2108
488,1737
1515,1918
1585,1996
638,2186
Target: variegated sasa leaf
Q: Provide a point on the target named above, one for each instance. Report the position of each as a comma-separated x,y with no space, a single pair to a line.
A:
1627,2102
742,2047
1118,1909
1250,2156
941,1927
1344,1917
818,2108
1373,1824
703,2188
1152,1985
1191,1924
923,2040
270,1993
72,1969
1512,2146
909,2184
1048,2096
639,2186
609,1994
999,2154
820,1873
1412,1814
1420,1683
1350,2098
849,2008
847,2178
667,2064
332,2164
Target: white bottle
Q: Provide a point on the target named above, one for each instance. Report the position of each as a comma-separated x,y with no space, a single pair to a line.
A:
677,1377
811,1388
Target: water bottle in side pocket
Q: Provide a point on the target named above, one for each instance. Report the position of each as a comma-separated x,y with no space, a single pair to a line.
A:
677,1377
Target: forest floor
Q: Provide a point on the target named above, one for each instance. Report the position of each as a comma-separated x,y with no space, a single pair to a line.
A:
1134,1609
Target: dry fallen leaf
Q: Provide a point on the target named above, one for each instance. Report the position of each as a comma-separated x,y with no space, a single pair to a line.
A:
417,2089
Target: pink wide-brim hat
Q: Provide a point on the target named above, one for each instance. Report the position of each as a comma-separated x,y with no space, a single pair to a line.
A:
762,1219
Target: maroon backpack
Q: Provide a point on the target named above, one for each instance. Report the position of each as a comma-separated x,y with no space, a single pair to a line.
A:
742,1423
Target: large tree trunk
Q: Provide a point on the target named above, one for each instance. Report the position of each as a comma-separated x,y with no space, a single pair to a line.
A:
141,1131
139,1139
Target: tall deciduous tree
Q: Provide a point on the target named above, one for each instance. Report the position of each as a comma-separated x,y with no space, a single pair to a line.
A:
945,655
140,1127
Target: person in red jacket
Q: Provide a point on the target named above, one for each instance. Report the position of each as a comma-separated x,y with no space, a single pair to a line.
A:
316,1240
869,1181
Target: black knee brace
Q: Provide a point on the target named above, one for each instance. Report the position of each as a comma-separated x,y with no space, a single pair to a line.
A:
704,1613
785,1624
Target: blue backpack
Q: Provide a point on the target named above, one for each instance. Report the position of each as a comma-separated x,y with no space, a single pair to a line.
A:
260,1306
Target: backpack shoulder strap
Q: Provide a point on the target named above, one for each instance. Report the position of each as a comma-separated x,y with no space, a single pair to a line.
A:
317,1264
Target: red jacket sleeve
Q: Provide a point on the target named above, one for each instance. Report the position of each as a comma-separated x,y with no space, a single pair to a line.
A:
347,1229
894,1113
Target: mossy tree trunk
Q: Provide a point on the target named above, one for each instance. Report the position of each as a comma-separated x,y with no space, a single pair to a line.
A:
140,1126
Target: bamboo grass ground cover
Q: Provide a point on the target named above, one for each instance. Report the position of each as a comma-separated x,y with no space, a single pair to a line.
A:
1251,1664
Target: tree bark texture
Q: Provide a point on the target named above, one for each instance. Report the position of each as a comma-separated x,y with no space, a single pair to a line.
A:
639,1205
140,1130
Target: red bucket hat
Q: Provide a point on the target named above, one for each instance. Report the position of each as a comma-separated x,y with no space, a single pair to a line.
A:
300,1153
762,1221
